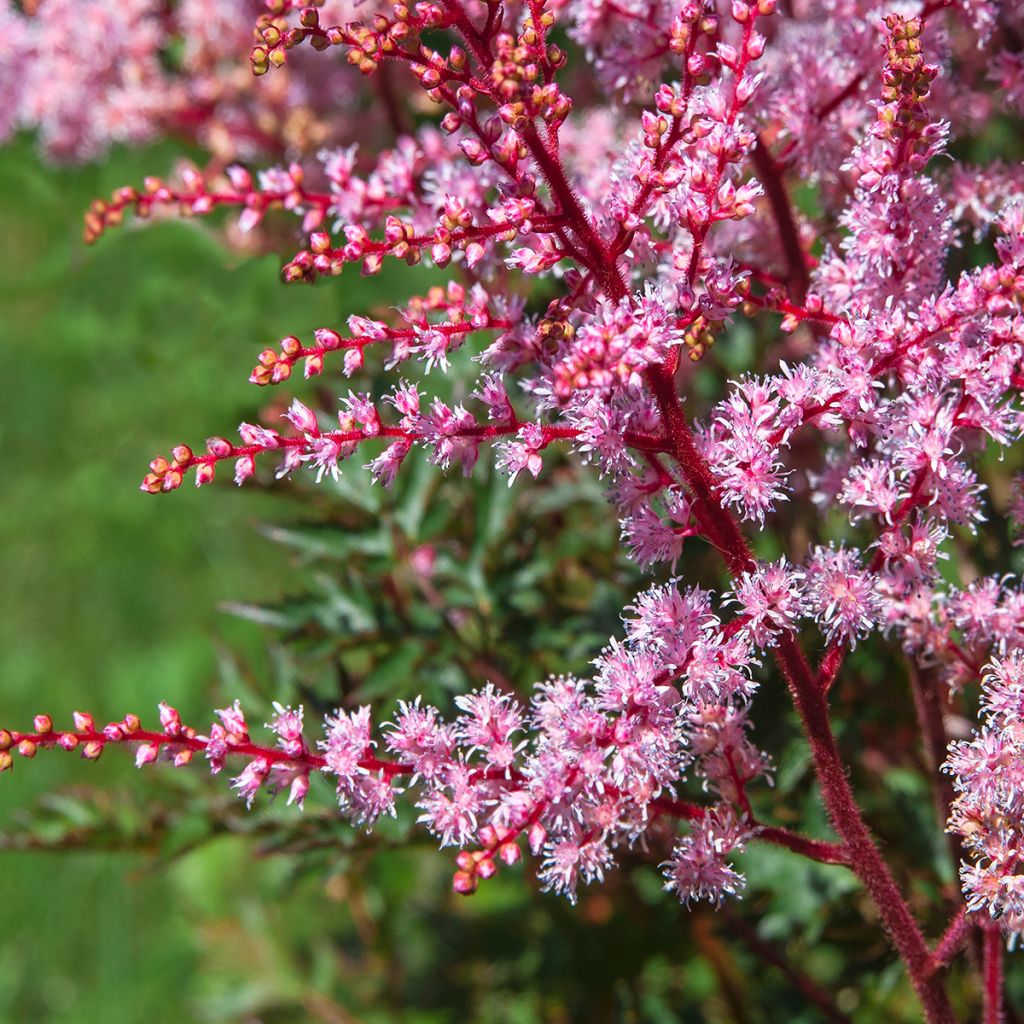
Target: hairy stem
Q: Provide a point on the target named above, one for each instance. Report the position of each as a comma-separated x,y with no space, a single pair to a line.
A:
840,802
769,173
993,975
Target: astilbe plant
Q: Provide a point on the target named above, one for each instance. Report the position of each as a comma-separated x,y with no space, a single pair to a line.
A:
601,249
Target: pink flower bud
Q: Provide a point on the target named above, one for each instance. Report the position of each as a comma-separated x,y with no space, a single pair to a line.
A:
299,789
170,720
509,853
245,467
536,837
219,447
302,418
146,754
464,883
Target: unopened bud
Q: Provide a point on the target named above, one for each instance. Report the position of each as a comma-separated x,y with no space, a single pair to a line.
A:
42,723
537,837
26,748
464,883
91,751
146,754
170,720
509,853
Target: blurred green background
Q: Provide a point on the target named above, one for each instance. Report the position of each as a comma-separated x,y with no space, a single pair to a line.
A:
179,906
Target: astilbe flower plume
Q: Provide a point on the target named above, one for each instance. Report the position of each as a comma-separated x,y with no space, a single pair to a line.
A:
653,234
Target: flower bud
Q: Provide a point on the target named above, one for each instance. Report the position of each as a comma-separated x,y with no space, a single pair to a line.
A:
464,883
219,447
509,853
146,754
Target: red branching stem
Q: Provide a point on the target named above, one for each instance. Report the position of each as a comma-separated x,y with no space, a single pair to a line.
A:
196,200
92,741
865,859
992,973
952,940
168,476
815,849
770,174
275,367
597,252
781,304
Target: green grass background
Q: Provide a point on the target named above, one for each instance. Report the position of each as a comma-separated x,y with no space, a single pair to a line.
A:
107,596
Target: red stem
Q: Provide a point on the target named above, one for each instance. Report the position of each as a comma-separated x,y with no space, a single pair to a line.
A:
953,939
865,859
769,173
992,970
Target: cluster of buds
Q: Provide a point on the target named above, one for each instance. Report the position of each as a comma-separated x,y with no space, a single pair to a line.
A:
903,118
275,35
91,741
195,197
369,44
475,866
167,474
437,324
518,74
699,336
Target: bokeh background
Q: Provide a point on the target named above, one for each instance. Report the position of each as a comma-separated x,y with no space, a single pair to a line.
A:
153,896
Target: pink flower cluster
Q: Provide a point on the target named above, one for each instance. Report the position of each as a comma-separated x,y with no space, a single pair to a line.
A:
90,74
988,815
650,239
